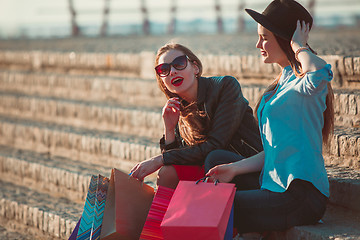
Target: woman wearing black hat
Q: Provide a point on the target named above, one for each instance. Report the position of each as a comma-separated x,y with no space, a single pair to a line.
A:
295,116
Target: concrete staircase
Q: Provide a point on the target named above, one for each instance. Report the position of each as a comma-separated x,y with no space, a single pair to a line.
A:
63,120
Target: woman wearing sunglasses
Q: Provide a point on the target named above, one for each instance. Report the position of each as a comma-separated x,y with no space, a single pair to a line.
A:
295,116
200,115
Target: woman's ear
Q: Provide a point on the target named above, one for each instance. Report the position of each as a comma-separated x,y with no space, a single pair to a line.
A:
196,68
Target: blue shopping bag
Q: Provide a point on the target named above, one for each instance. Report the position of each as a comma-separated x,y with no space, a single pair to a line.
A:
91,219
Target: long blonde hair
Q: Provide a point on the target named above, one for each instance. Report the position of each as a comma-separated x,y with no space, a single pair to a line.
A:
193,122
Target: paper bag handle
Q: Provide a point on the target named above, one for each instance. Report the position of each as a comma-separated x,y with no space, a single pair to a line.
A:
205,179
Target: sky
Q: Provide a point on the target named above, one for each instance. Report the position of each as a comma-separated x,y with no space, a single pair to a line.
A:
19,14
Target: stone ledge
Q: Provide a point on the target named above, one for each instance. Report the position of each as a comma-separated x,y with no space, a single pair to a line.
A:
63,177
54,216
344,187
59,176
132,91
123,62
108,148
11,229
338,223
345,143
138,92
346,69
94,115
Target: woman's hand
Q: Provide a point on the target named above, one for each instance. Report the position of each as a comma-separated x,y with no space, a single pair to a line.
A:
223,173
144,168
171,113
300,36
309,61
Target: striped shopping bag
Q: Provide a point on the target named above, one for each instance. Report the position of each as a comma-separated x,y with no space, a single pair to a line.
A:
92,216
152,230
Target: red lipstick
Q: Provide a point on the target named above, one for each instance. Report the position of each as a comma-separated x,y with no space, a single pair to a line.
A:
177,81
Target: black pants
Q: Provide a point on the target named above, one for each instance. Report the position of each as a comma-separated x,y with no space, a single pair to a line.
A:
258,210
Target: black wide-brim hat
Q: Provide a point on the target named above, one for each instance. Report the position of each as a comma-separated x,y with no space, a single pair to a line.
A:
281,16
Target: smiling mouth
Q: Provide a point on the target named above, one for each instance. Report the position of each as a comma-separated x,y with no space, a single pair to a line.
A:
177,81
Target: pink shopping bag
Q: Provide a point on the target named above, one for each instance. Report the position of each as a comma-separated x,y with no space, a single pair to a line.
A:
198,211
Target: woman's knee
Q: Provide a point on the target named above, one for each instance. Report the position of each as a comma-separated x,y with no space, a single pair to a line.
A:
167,177
218,157
212,159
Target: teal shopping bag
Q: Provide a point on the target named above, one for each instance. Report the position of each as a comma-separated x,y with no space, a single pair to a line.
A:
92,216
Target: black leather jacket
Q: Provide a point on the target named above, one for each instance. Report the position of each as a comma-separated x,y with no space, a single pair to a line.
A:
232,124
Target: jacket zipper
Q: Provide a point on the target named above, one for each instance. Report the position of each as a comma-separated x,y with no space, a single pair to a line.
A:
250,146
242,141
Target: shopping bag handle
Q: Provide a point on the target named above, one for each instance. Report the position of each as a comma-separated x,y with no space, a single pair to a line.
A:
130,176
205,179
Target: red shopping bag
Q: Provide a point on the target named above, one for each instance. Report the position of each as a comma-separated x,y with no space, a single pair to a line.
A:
152,230
198,211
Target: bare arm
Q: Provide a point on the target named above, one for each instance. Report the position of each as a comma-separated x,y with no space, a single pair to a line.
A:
226,172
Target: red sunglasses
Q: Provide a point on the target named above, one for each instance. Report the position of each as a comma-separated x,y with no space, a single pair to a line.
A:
178,63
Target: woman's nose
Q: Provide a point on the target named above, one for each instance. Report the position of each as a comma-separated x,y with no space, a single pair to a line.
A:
173,70
258,44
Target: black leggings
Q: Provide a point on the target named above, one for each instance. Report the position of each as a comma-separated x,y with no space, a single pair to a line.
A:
258,210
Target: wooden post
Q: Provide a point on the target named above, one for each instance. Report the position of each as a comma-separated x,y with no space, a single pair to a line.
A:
172,25
104,25
146,22
241,20
311,7
219,21
75,30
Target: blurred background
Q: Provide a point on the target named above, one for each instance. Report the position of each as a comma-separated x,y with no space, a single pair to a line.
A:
64,18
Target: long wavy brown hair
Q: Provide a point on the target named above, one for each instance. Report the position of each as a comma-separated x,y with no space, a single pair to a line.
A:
328,127
193,122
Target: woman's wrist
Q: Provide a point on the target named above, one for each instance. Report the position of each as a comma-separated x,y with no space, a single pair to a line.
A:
297,52
159,160
169,136
296,45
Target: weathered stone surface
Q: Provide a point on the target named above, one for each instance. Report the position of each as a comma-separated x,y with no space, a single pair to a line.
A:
349,66
249,66
344,103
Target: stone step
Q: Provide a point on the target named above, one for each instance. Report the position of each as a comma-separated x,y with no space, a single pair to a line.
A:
98,147
338,223
5,233
22,205
105,116
138,92
58,216
115,149
64,177
14,230
59,176
131,91
344,186
346,68
344,148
